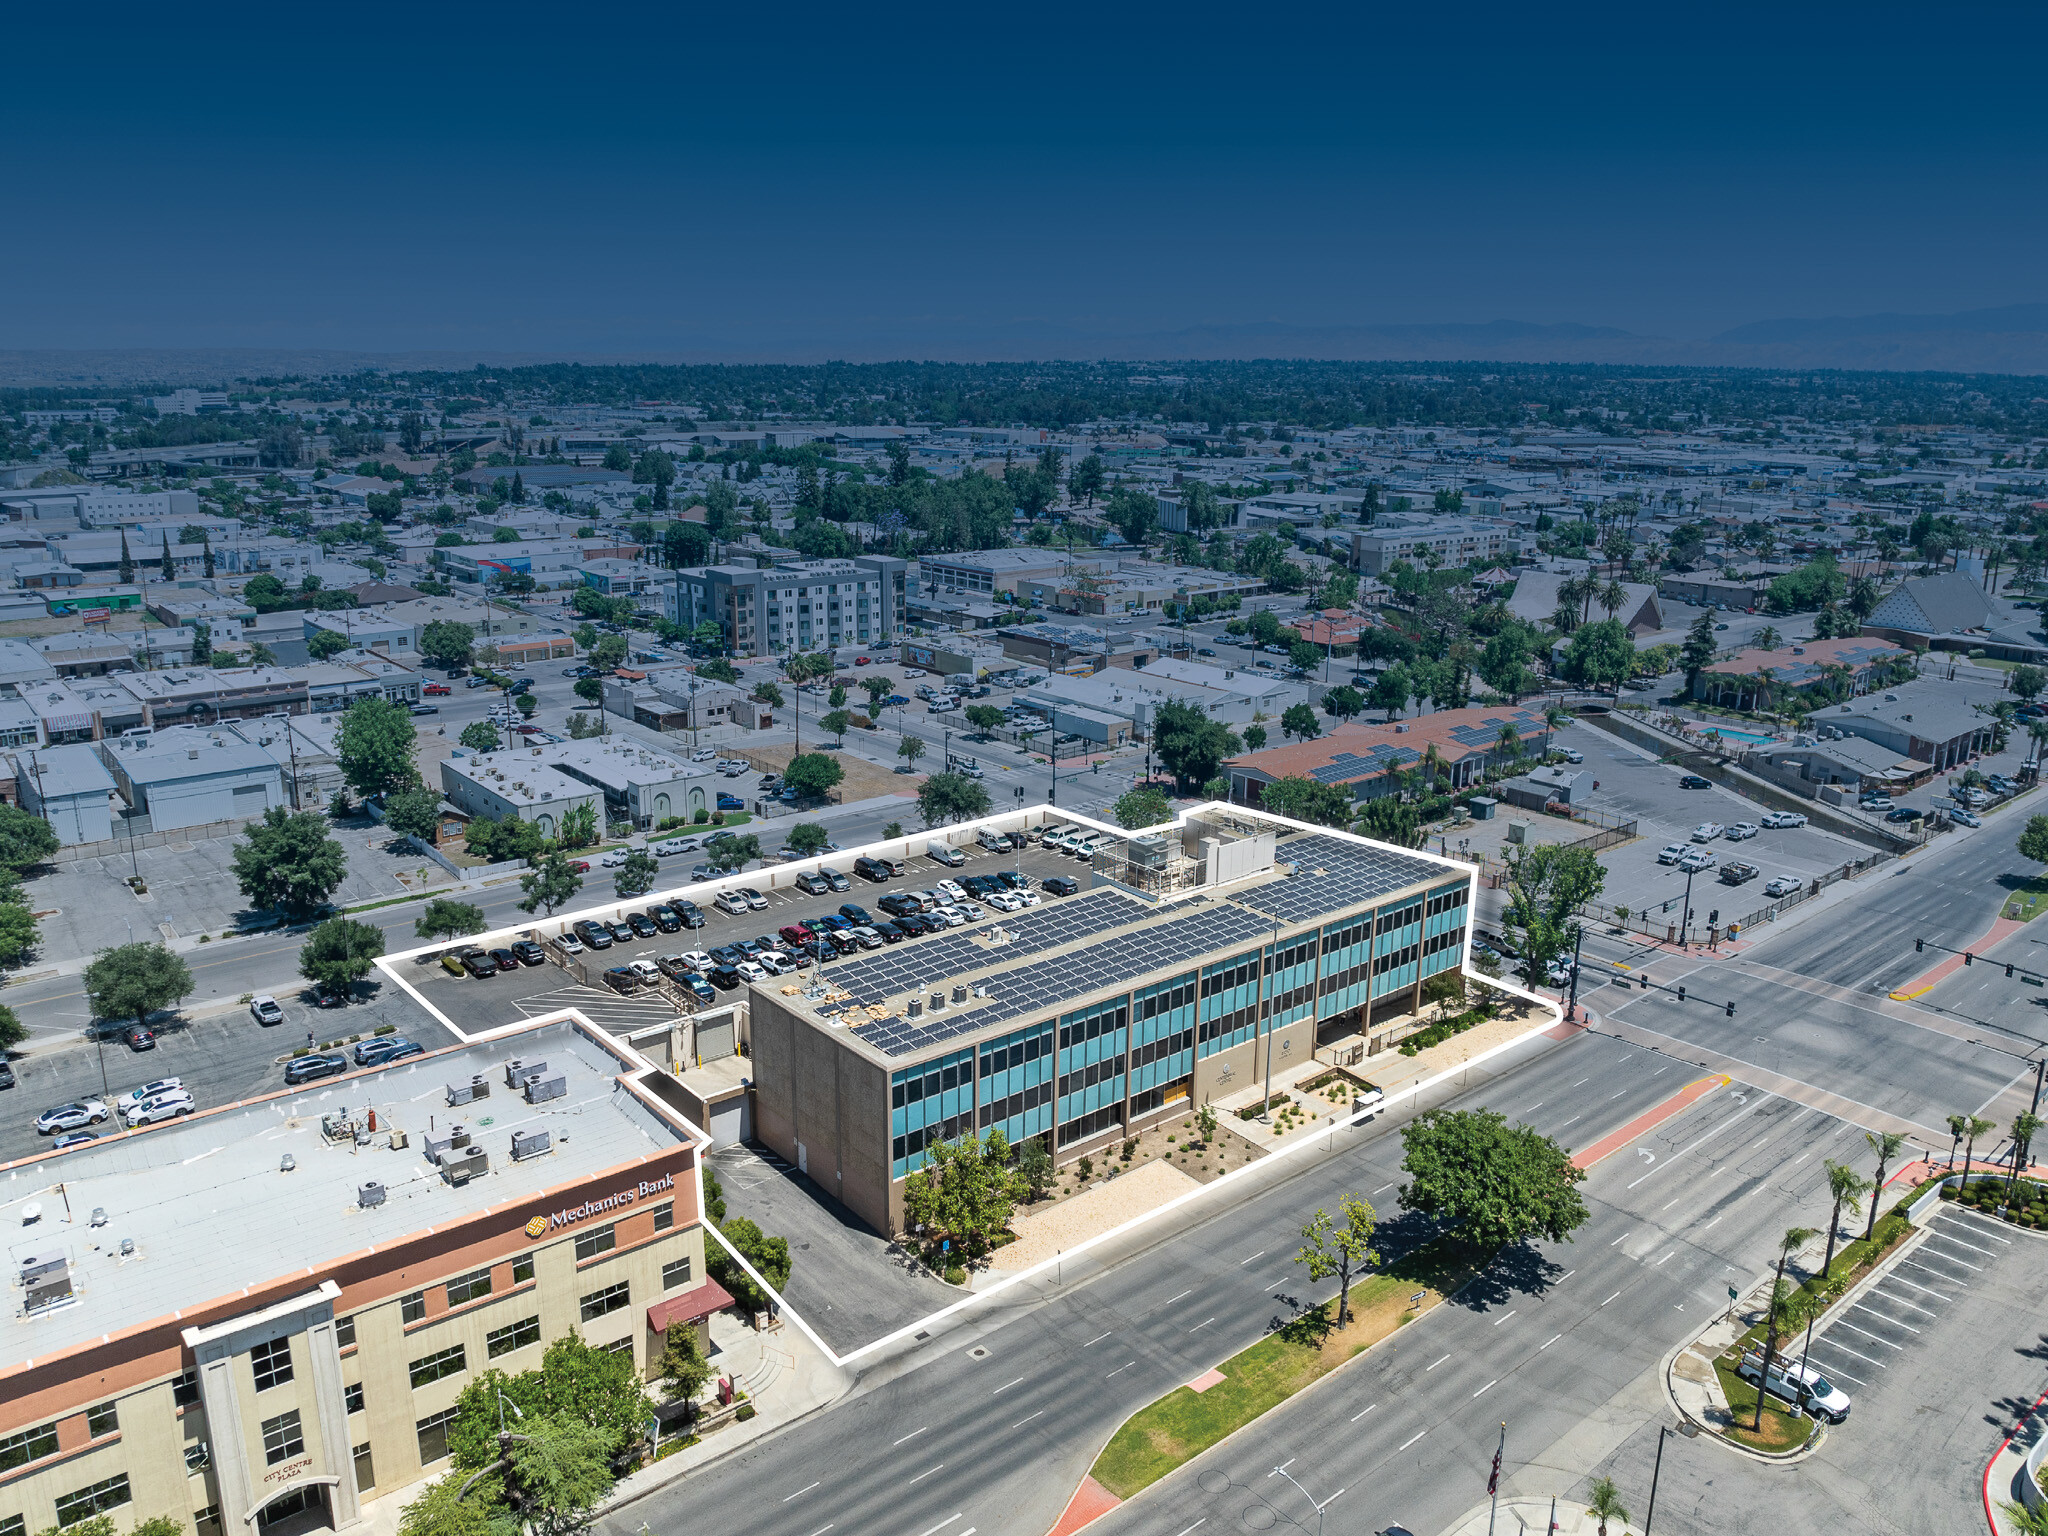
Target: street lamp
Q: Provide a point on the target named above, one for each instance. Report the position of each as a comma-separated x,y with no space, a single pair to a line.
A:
1312,1504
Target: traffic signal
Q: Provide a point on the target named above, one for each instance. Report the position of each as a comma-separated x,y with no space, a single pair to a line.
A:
1918,945
1681,994
1967,957
2008,970
1731,1010
1645,981
1714,918
1048,797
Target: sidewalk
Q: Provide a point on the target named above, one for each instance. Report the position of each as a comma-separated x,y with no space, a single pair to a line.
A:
1533,1517
2007,1471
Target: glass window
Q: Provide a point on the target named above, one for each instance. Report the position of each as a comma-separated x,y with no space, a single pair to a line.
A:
197,1455
469,1287
205,1522
352,1397
443,1362
598,1240
664,1216
28,1446
344,1332
13,1525
414,1307
433,1433
102,1420
273,1363
522,1269
366,1470
610,1299
282,1437
108,1493
674,1273
185,1390
502,1341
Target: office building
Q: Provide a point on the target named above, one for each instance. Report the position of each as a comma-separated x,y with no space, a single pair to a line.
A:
803,605
272,1307
1200,953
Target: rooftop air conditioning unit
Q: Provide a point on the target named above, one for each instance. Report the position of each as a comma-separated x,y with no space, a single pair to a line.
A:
540,1089
478,1087
520,1068
460,1169
527,1144
916,1008
368,1194
959,993
938,1002
37,1266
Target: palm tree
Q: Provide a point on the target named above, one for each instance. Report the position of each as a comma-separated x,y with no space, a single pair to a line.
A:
1886,1144
2022,1521
1846,1186
1767,638
1613,597
1795,1238
1978,1126
2024,1125
2037,732
1603,1503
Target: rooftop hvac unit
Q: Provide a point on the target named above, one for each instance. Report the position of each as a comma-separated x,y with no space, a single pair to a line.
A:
478,1087
540,1089
959,993
938,1002
1148,852
527,1144
46,1290
368,1194
38,1265
458,1168
916,1009
520,1068
434,1145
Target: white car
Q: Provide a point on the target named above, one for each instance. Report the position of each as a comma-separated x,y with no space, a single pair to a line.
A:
1741,831
1697,859
1784,885
1028,898
614,859
264,1009
1571,754
755,899
1559,972
703,754
697,960
1004,901
670,847
952,889
734,903
951,916
1707,831
1671,853
165,1106
570,944
1783,819
776,963
648,972
974,910
135,1096
751,970
1875,803
1966,818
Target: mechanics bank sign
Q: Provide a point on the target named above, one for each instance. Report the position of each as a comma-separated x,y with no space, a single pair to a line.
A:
541,1225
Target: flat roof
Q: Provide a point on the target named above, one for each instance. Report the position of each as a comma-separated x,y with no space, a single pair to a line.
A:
210,1211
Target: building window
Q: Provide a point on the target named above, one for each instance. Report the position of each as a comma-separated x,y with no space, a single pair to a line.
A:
344,1332
352,1397
29,1445
674,1273
103,1420
197,1456
282,1437
664,1216
598,1240
598,1303
205,1522
618,1347
502,1341
433,1433
185,1390
366,1470
273,1363
469,1287
443,1362
108,1493
414,1307
14,1525
522,1270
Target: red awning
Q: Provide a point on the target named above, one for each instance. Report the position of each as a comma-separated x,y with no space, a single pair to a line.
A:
693,1304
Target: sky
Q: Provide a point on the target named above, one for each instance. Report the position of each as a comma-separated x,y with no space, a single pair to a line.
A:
1009,182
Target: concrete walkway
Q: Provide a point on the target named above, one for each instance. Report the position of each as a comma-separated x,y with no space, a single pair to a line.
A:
1535,1517
2007,1470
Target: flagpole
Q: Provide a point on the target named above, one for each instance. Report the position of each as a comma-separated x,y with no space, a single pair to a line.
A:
1493,1482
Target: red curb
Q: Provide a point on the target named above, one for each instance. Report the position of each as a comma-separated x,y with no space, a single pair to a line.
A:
1091,1501
1690,1094
2004,928
1989,1518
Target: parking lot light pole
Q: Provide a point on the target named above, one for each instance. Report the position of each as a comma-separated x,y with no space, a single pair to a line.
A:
1685,920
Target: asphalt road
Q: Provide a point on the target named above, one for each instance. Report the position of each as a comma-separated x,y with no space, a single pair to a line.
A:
1001,1441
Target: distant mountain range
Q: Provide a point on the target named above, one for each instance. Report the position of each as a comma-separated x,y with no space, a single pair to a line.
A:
2009,340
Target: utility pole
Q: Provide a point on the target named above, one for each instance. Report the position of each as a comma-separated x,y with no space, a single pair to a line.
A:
1657,1471
1571,1012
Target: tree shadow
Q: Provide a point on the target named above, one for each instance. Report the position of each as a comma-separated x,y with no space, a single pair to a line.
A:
2005,1412
1520,1271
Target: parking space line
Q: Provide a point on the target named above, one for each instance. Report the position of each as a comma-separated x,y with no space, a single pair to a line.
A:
1860,1307
1975,1225
1939,1236
1888,1296
1951,1279
1935,1237
1901,1280
1878,1338
1845,1349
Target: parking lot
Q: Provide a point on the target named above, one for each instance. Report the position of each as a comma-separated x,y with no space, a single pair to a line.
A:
473,1004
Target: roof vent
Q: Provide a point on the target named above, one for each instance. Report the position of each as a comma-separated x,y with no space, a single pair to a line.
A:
99,1215
127,1247
287,1163
32,1213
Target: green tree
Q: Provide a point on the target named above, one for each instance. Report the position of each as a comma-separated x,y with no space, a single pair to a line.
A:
949,797
1035,1168
878,689
526,704
446,919
415,811
2024,1126
1388,819
1329,1249
984,718
1341,703
769,694
963,1195
1303,656
813,775
1299,720
25,839
1504,663
638,873
438,1509
579,826
1085,480
837,724
575,1383
590,690
768,1255
1794,1239
2027,682
480,736
1494,1183
1391,690
340,953
1600,655
1887,1145
12,1030
682,1368
1546,886
1304,799
610,652
127,568
287,860
325,643
1143,806
1845,1187
1254,738
374,747
807,837
1603,1503
1697,653
910,749
446,643
734,853
1190,744
549,884
133,981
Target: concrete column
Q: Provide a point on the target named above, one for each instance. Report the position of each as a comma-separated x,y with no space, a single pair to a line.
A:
226,1439
321,1344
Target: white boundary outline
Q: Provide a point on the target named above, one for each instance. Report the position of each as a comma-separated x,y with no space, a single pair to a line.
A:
782,875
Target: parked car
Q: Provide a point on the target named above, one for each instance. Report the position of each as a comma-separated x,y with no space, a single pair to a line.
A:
1707,831
437,689
834,880
855,913
723,977
1060,885
622,979
1671,853
1965,818
1693,781
643,926
265,1010
526,952
478,964
1783,819
1742,831
380,1049
71,1117
174,1104
426,709
1875,803
698,988
1797,1383
646,970
149,1090
306,1069
571,945
595,934
72,1139
1697,859
1571,754
1784,885
733,903
1735,872
1903,814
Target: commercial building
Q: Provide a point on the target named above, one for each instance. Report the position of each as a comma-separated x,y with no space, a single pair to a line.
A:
1859,664
192,776
1364,758
1200,953
801,605
1924,721
512,783
272,1308
70,788
1452,541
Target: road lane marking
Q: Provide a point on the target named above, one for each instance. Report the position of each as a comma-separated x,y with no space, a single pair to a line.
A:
1935,1237
1363,1412
1172,1299
821,1530
1121,1369
1548,1342
1568,1122
1604,1303
1385,1187
1406,1443
1531,1109
1097,1339
1203,1521
1491,1384
999,1391
1428,1368
1505,1316
944,1523
1622,1239
1241,1264
914,1434
1901,1281
1582,1082
1205,1322
923,1475
800,1492
1663,1261
1027,1419
1566,1276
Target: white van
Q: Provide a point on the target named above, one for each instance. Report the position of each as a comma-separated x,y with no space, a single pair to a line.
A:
1796,1383
994,842
945,853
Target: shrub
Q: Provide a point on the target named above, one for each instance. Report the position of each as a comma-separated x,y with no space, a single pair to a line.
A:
1087,1167
386,1029
700,816
746,1412
955,1275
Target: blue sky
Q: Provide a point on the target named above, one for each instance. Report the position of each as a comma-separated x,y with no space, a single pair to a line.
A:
813,181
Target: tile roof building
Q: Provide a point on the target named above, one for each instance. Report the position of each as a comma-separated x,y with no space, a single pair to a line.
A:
1363,758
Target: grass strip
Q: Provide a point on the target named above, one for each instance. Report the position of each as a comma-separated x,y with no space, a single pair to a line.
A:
1181,1425
2028,902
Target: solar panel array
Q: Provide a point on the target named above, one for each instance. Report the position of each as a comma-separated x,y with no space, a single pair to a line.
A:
1048,985
1351,874
923,963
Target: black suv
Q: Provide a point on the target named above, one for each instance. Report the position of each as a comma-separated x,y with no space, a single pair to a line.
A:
643,926
896,903
306,1069
871,869
620,978
1060,885
856,914
665,919
691,914
530,953
594,935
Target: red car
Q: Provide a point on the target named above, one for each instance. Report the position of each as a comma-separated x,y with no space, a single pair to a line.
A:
581,866
796,933
437,688
860,661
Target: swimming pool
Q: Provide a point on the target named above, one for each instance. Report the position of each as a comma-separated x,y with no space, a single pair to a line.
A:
1751,737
